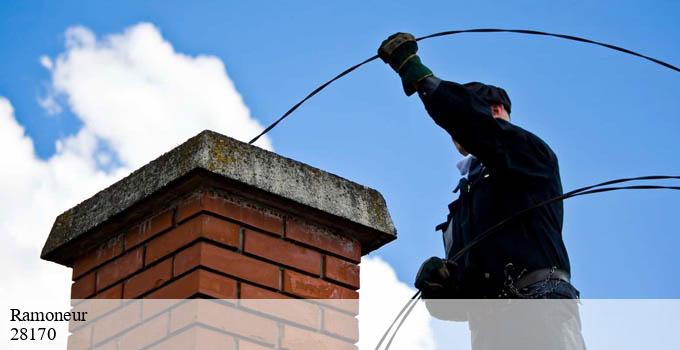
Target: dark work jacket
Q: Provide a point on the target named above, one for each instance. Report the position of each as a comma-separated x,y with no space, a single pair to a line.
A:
519,170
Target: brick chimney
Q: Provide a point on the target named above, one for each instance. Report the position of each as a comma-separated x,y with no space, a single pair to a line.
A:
216,218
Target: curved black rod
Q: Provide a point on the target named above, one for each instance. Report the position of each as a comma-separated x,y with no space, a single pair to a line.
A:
592,189
408,306
454,32
588,190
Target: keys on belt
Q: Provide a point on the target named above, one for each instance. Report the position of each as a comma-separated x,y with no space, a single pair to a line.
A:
542,275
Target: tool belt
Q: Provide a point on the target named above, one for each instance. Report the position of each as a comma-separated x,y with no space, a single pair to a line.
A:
542,275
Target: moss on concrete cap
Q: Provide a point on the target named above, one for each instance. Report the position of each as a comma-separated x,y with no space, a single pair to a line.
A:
234,160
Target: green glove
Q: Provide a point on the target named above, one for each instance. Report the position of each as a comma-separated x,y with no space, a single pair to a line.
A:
435,278
399,51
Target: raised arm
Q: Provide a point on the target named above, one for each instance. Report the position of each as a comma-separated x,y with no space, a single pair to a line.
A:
467,117
499,144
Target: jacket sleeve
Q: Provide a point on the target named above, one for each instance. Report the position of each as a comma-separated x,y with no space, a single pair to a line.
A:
500,145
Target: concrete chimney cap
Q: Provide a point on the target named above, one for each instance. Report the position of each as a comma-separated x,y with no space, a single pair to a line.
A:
225,157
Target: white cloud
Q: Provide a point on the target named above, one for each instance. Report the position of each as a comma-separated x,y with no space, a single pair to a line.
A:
46,62
50,104
135,95
382,297
33,193
135,92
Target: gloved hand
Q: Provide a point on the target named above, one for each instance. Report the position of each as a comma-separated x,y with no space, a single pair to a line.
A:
399,51
435,278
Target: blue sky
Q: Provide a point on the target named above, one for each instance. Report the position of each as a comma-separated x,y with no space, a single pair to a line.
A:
605,114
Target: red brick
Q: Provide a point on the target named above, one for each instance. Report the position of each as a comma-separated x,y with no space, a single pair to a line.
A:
96,307
217,315
183,288
205,226
148,229
119,268
191,206
216,286
115,292
246,345
109,345
100,304
197,282
301,339
342,271
261,219
244,213
76,325
100,255
81,339
148,279
341,324
116,322
83,287
229,262
220,231
146,333
195,338
286,253
249,291
323,239
174,239
298,311
153,307
314,288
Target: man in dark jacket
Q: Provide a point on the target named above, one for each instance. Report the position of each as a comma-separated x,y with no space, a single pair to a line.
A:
505,170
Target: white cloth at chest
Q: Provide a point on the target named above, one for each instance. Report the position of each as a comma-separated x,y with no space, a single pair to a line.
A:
464,167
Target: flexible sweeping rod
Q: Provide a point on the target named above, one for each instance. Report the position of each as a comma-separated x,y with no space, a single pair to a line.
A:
454,32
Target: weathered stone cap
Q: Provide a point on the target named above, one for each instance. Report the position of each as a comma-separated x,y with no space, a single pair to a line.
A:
226,157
